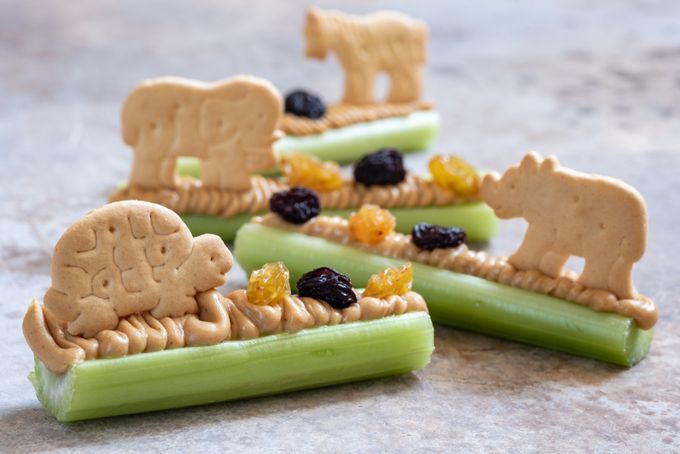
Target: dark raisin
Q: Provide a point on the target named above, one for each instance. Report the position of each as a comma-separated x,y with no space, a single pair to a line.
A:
305,104
327,285
296,205
429,237
382,167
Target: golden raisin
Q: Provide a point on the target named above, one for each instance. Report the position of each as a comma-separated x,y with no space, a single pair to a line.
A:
392,281
454,174
269,284
308,171
371,224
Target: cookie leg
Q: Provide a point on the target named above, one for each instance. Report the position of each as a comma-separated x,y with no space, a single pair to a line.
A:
596,272
405,85
620,279
359,86
210,172
145,170
167,172
225,173
552,263
534,247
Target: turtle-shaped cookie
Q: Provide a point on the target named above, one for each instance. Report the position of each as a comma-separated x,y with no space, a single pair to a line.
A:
131,257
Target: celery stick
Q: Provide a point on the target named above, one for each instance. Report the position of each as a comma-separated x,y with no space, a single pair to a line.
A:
461,300
477,219
348,144
224,228
231,370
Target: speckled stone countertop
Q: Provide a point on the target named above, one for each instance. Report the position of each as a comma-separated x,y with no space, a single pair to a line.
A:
596,83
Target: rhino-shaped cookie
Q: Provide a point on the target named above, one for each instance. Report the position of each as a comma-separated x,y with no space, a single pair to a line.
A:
230,124
131,257
569,213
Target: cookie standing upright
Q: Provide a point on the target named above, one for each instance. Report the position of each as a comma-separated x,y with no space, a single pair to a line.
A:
366,46
383,42
230,125
570,213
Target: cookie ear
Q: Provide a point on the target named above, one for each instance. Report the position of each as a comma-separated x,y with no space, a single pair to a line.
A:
313,14
549,164
530,162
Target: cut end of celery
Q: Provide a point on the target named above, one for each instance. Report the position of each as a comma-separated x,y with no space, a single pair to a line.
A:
413,132
461,300
232,370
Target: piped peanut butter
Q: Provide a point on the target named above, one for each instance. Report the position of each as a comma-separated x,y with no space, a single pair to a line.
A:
191,196
222,318
129,278
341,115
479,264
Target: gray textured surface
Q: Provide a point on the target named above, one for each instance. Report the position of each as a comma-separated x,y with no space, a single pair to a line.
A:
597,83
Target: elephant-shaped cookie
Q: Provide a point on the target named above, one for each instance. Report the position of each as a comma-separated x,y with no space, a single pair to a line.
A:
128,258
385,41
570,213
231,125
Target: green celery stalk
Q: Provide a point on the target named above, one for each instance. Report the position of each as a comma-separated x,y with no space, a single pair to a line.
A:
224,228
461,300
348,144
411,133
231,370
477,219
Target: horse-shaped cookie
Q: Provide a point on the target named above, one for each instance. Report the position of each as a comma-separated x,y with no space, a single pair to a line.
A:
569,213
384,41
231,125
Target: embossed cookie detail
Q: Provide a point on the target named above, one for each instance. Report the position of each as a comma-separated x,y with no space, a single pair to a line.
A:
127,258
231,125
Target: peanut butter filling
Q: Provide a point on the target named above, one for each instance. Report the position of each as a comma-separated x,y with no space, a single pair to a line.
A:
219,319
340,115
479,264
190,196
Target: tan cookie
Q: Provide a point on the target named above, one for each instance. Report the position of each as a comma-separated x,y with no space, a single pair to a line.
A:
382,42
131,257
231,125
570,213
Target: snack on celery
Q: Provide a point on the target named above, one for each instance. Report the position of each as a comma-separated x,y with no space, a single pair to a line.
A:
359,124
133,323
166,117
382,182
526,297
